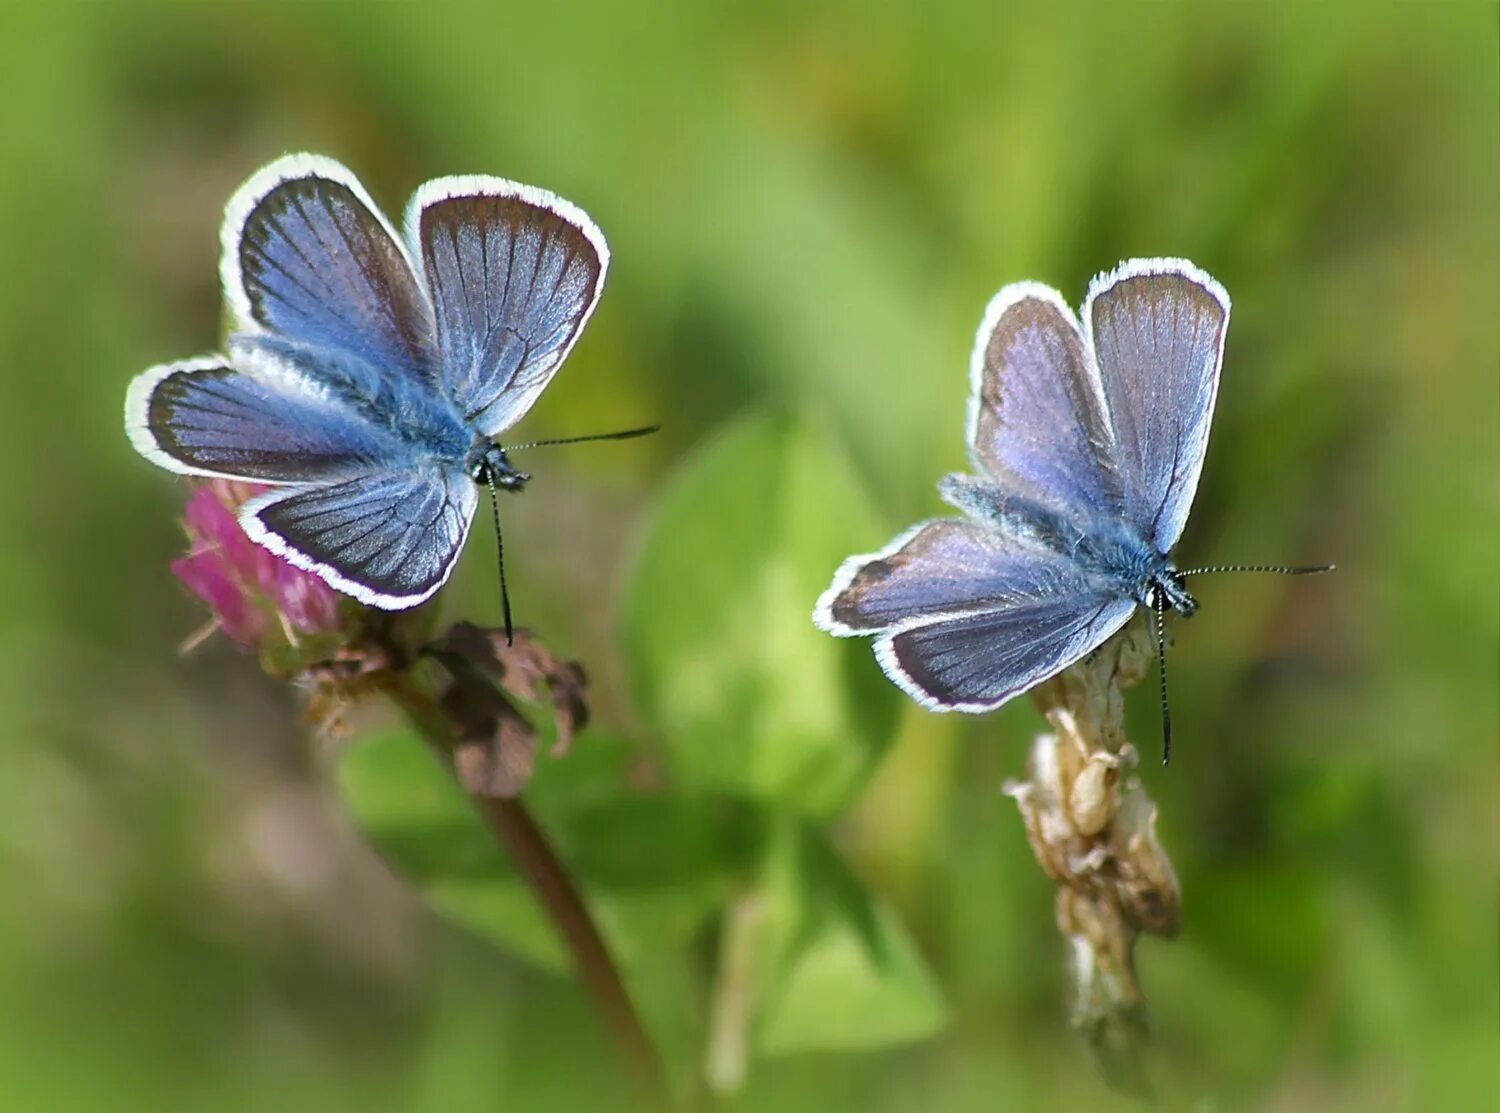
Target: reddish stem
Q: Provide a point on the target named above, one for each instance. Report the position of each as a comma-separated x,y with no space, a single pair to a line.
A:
547,875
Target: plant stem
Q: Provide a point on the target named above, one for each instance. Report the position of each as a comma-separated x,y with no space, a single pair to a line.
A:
535,860
547,875
726,1063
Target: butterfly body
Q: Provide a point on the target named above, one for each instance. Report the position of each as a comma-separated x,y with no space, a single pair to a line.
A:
415,420
370,373
1111,555
423,426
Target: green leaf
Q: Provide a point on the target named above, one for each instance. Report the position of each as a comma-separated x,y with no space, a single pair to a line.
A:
752,699
652,869
847,975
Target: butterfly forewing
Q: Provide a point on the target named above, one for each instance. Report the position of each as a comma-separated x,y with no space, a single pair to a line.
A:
1036,413
204,417
940,569
389,539
1158,327
514,274
969,614
307,256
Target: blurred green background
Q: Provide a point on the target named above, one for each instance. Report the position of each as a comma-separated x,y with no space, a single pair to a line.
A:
809,206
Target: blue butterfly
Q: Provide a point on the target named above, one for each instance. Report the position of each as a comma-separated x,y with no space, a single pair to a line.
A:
368,374
1088,438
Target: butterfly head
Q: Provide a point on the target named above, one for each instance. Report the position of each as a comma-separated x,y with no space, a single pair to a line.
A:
488,465
1165,590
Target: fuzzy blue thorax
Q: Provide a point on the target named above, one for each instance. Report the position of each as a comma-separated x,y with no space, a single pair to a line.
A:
1109,549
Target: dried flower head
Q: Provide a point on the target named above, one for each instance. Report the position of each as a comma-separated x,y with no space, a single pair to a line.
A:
1093,830
494,742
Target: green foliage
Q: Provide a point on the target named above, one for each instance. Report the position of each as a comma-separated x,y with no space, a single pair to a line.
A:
752,701
749,697
653,869
763,719
847,973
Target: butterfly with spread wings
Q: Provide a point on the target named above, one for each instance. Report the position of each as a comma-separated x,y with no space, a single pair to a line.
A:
369,373
1087,436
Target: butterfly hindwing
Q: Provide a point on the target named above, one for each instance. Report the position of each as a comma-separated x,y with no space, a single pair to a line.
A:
514,273
389,539
978,661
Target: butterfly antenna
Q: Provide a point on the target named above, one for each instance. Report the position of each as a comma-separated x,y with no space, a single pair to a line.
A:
623,435
1159,605
500,556
1284,570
